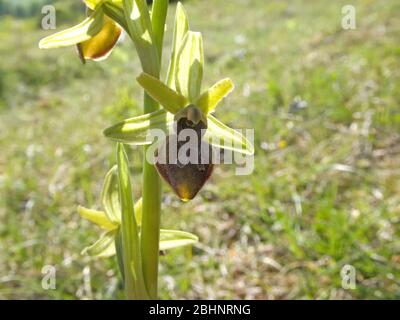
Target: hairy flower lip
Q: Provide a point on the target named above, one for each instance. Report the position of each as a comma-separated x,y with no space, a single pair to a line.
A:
186,180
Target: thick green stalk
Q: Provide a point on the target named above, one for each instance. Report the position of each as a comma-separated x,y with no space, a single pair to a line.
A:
151,207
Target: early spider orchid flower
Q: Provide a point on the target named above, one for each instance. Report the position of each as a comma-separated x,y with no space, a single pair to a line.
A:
110,221
96,36
184,106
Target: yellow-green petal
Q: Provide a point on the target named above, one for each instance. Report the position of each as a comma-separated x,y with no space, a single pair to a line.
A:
97,217
208,101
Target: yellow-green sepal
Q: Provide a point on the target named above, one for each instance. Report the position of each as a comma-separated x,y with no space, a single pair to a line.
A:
168,98
104,247
109,243
181,27
136,131
110,197
221,136
99,218
87,29
171,239
189,66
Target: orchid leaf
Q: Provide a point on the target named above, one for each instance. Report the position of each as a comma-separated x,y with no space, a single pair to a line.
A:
104,247
170,239
140,29
189,67
168,98
80,33
98,217
221,136
136,131
208,101
110,198
181,27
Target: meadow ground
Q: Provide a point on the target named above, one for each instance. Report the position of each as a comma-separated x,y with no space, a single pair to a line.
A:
324,103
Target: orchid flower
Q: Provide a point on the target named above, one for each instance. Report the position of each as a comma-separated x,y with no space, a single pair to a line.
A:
182,99
97,35
110,221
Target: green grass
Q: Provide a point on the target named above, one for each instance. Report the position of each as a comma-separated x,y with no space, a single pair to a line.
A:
326,186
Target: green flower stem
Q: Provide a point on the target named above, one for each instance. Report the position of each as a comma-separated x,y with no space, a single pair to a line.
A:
151,207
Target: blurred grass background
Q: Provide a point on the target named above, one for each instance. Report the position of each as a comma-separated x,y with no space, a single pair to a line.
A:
324,103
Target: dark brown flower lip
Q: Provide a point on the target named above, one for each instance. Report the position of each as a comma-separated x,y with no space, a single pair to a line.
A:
186,180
